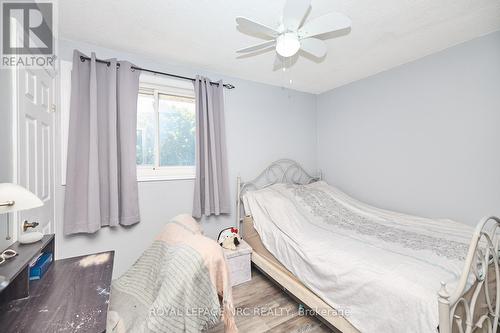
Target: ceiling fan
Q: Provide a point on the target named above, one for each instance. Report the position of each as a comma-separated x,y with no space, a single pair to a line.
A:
291,34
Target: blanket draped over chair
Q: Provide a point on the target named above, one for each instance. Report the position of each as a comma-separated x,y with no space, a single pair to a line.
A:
175,285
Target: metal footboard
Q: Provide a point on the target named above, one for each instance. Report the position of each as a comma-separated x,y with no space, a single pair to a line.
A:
479,313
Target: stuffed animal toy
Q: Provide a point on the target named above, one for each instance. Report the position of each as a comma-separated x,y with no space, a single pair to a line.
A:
229,238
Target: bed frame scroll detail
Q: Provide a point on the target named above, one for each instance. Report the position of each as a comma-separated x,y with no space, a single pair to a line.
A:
482,261
281,171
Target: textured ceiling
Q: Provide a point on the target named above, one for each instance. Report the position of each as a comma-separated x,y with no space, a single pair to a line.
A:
202,33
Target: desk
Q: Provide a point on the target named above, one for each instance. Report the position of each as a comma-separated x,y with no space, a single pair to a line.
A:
72,296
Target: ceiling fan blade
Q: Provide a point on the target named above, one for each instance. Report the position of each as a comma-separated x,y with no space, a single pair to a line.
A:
251,26
294,13
257,47
324,24
313,46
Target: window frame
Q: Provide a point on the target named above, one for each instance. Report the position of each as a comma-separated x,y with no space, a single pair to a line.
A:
157,172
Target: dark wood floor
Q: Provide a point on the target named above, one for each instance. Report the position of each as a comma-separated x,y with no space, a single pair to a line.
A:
263,307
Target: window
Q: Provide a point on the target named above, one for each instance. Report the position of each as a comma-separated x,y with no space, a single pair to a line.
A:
166,130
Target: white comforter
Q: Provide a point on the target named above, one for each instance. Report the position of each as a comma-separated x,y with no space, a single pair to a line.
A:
379,268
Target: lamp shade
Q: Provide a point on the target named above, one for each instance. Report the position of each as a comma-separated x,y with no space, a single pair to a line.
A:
14,198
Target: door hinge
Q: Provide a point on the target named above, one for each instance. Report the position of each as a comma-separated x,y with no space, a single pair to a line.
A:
53,108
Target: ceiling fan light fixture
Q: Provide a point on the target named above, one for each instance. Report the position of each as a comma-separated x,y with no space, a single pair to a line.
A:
294,32
287,44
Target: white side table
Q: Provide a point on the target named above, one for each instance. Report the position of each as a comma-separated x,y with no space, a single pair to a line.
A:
239,262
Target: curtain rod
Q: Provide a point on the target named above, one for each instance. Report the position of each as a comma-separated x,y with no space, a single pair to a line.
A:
226,85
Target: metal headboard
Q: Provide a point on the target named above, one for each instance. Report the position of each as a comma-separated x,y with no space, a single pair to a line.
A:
283,171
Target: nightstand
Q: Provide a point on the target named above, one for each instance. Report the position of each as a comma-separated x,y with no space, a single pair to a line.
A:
239,262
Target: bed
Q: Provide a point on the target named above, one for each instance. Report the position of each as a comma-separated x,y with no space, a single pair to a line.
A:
364,269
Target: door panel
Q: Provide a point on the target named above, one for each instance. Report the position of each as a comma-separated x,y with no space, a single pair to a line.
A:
45,160
36,142
30,153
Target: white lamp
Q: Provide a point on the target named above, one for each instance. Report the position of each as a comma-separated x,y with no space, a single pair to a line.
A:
14,198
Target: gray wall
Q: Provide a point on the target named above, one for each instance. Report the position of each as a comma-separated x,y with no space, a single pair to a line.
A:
263,123
6,146
423,138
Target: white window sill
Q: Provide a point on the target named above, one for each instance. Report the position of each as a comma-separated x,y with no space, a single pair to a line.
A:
152,174
144,179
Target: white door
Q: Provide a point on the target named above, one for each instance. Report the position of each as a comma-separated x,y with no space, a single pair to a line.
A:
35,133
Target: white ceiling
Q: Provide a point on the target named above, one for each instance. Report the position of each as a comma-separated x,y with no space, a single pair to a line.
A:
202,33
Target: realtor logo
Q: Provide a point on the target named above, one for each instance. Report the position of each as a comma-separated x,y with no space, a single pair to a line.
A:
27,34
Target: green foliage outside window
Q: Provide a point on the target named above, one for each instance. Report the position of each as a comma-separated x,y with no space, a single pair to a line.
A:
176,130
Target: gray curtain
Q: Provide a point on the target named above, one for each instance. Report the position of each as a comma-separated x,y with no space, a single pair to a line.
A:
101,179
211,192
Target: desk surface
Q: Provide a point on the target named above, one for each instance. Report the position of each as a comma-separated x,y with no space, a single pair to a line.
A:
72,296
